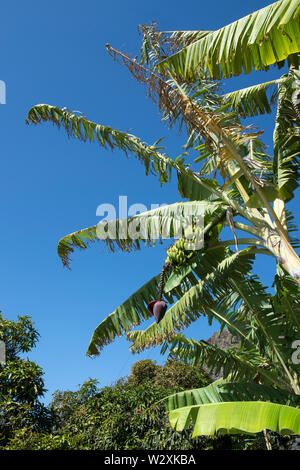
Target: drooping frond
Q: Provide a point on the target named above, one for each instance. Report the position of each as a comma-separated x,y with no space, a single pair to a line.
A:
191,189
253,100
156,45
240,364
173,100
231,391
154,162
287,300
77,126
132,311
287,138
236,417
129,314
105,330
267,36
270,326
182,219
218,131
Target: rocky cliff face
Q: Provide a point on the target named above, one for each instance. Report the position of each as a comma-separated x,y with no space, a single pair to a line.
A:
223,340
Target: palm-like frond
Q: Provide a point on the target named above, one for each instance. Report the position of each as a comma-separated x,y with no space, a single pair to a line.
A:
156,45
267,36
240,364
218,133
253,100
129,314
237,417
286,139
270,326
191,189
147,228
223,136
185,38
287,300
256,303
77,126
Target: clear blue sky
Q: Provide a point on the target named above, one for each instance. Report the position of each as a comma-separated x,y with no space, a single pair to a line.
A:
54,52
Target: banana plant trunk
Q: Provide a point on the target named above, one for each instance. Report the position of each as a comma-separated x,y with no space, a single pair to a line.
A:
285,254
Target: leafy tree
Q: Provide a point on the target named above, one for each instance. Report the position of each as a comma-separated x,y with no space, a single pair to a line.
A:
174,374
63,403
26,439
143,370
127,415
21,382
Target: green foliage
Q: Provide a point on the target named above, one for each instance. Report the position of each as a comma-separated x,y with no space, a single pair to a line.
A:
214,281
64,403
286,137
124,417
77,126
253,100
19,336
128,415
26,439
267,36
266,325
237,417
267,330
21,382
142,370
229,392
179,375
148,228
173,374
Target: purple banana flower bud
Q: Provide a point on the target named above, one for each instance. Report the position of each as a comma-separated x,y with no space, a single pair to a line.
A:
158,309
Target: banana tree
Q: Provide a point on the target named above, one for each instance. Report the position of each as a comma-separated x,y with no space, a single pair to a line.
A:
248,190
255,187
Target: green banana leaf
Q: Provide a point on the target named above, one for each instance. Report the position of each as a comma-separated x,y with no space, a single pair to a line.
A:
241,417
226,391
